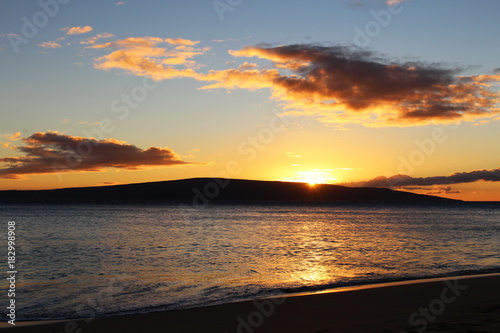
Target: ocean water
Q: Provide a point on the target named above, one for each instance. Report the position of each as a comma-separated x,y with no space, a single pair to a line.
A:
77,261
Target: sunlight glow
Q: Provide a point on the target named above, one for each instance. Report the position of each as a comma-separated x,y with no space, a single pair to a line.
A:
313,177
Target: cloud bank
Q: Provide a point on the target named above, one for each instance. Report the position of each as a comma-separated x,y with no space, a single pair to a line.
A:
399,181
53,152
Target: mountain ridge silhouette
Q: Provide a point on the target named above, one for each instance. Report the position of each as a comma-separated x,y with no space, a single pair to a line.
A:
203,191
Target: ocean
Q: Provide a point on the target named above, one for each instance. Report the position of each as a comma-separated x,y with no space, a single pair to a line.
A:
77,261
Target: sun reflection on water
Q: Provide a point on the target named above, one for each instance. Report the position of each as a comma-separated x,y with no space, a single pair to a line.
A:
160,256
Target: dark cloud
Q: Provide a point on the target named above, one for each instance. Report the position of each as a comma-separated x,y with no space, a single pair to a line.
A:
455,178
338,82
52,152
443,190
416,188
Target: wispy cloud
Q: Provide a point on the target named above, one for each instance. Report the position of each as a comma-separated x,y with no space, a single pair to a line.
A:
47,152
94,39
443,190
149,56
86,122
120,3
77,30
247,65
13,137
292,154
455,178
50,45
395,2
180,41
224,40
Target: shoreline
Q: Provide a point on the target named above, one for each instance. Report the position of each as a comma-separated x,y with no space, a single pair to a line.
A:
451,302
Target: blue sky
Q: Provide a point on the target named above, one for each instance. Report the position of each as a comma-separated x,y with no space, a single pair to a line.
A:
60,88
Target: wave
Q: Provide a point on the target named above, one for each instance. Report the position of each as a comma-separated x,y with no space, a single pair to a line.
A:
253,292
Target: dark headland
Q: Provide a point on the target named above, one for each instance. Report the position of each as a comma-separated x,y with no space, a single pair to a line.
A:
203,191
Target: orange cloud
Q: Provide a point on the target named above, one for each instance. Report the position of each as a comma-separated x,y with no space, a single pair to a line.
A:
93,40
247,65
336,85
14,137
443,190
50,45
53,152
145,56
362,88
180,41
77,30
252,79
395,2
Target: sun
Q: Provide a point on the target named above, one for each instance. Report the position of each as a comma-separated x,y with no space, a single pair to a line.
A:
313,177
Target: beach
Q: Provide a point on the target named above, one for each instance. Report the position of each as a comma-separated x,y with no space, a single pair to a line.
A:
451,304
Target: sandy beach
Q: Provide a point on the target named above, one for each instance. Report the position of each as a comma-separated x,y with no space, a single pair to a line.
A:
453,304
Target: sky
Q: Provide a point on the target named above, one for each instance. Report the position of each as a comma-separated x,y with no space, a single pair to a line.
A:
398,94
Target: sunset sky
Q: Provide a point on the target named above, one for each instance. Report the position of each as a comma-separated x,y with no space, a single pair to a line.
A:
401,94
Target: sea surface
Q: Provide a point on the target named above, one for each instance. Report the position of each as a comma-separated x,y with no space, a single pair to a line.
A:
77,261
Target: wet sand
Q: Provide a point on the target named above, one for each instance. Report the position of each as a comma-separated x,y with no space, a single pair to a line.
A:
453,304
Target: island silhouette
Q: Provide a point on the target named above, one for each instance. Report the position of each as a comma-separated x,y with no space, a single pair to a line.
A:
205,191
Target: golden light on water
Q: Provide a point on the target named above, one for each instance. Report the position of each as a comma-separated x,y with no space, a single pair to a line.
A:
312,274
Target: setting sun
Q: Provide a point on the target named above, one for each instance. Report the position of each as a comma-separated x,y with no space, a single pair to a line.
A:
313,177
